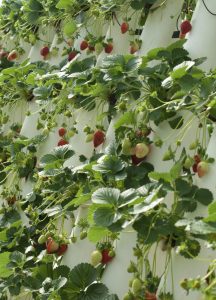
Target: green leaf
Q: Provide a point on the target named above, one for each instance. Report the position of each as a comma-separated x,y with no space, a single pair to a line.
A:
106,196
158,176
53,211
4,260
127,118
109,164
204,196
69,28
48,159
182,186
104,216
112,61
176,123
127,197
142,208
42,93
59,283
149,202
133,63
175,171
82,275
65,4
96,233
199,227
35,5
181,70
96,291
63,152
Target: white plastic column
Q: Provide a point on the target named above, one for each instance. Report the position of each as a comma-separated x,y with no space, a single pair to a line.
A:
200,35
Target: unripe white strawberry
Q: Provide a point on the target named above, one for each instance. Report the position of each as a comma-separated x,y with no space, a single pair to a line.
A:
42,239
141,150
96,257
202,168
136,286
126,147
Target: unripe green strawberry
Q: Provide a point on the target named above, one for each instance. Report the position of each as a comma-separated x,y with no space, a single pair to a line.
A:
98,48
184,284
130,283
73,239
131,268
87,129
83,235
122,106
89,137
136,286
188,162
112,253
128,297
42,239
71,133
126,146
32,39
158,143
194,145
46,131
141,150
168,155
96,257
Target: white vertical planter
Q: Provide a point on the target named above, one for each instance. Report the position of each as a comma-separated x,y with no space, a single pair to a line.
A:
202,38
81,250
160,26
16,113
200,35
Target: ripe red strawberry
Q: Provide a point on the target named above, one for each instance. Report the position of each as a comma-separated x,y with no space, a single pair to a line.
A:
185,27
136,160
44,51
62,131
12,55
83,45
108,48
202,168
99,137
106,258
52,246
124,27
62,249
150,296
62,142
71,55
